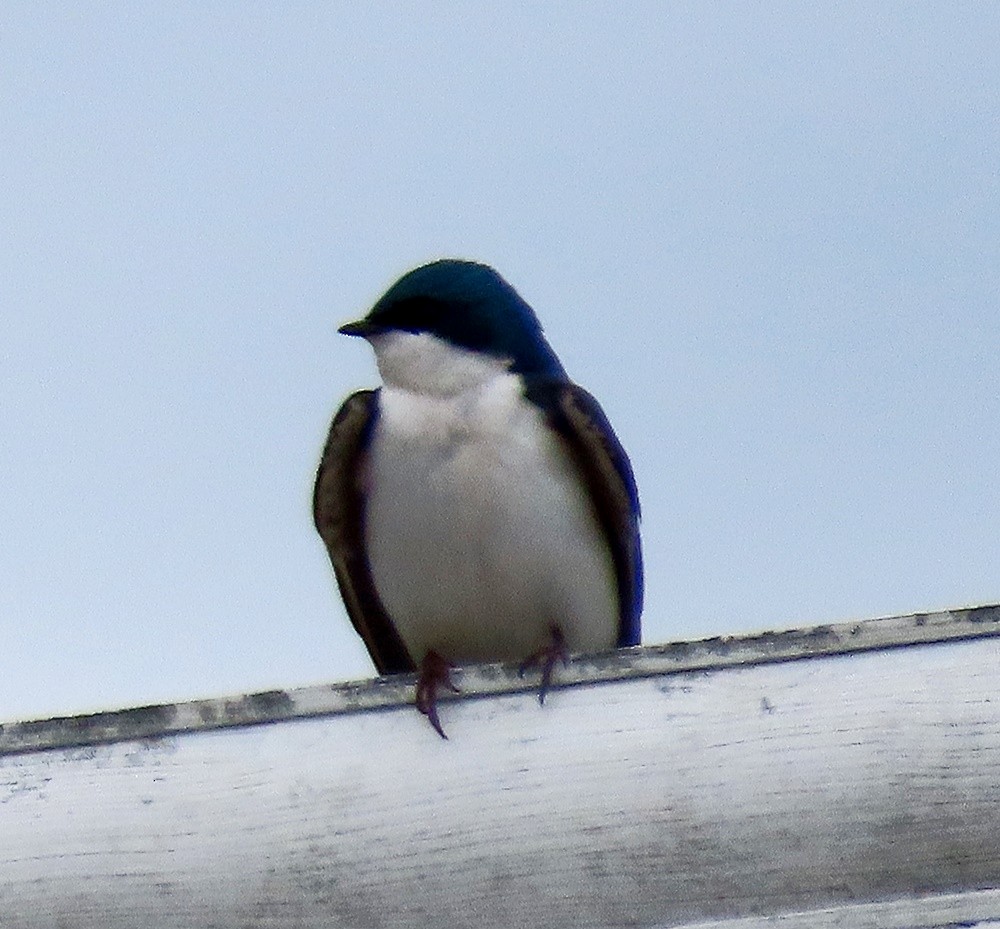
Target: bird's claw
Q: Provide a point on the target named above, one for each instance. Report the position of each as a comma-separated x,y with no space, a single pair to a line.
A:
435,673
547,658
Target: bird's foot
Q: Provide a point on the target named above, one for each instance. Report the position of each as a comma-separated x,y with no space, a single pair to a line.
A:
435,673
546,658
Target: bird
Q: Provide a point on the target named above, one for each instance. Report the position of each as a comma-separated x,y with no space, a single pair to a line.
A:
477,506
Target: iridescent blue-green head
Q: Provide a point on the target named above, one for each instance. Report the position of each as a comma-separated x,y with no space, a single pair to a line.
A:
468,305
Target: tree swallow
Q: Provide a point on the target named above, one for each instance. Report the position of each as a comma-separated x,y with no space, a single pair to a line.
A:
478,506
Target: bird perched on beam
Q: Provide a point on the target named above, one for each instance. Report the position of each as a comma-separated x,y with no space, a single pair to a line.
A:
478,506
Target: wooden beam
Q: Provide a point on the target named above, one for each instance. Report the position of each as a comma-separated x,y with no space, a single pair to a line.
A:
846,773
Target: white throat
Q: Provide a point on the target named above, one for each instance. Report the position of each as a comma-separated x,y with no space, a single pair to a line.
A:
425,364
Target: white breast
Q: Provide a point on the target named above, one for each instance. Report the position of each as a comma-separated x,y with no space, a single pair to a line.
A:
480,535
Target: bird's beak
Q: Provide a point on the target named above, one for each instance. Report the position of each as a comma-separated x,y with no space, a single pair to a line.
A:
361,328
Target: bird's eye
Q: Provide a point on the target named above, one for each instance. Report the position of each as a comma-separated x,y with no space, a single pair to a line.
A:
413,314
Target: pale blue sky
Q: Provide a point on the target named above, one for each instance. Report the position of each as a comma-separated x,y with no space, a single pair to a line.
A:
766,236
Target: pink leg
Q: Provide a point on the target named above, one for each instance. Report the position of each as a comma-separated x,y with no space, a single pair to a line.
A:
546,659
435,673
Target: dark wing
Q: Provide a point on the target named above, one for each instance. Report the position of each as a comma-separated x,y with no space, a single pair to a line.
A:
581,422
339,514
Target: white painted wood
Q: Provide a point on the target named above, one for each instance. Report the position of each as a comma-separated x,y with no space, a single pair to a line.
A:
858,789
978,909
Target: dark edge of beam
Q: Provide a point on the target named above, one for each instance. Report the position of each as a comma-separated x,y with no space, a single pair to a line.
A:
160,721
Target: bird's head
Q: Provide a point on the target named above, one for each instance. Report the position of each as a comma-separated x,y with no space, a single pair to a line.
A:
455,315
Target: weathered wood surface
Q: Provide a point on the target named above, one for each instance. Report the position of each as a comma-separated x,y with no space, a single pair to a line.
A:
668,786
970,910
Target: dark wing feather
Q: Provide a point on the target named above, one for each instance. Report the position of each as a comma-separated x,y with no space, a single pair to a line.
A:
339,512
605,467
